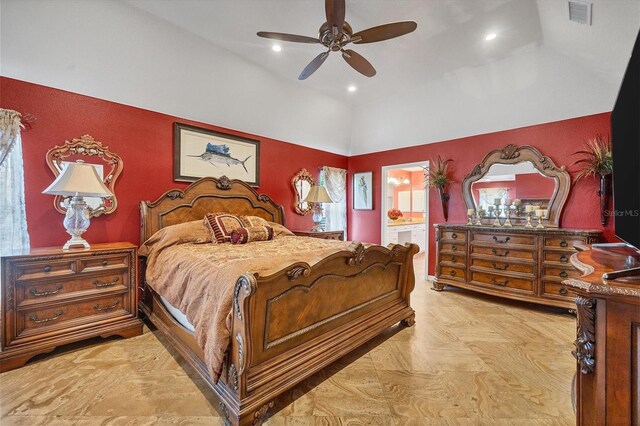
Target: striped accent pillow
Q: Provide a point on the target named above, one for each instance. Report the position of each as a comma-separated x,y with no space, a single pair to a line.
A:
222,225
250,221
250,234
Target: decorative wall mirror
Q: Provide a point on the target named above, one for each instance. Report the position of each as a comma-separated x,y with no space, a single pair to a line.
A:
518,182
302,183
107,164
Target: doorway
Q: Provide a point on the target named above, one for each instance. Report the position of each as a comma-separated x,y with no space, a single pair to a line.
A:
404,189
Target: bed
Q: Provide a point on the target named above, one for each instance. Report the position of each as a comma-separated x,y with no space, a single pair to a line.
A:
375,283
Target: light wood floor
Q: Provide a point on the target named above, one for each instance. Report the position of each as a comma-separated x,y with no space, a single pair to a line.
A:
469,360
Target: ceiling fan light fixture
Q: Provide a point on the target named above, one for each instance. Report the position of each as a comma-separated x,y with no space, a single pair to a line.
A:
276,48
352,88
490,36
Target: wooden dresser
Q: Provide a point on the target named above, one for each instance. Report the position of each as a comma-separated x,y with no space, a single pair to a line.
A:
327,235
608,334
518,263
51,297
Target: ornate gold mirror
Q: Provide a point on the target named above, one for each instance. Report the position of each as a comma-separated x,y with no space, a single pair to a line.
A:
517,182
302,183
107,164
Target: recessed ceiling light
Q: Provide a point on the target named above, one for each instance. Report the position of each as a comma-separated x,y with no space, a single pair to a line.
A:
490,36
276,48
352,88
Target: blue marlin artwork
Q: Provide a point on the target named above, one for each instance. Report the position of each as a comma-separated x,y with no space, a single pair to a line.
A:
220,154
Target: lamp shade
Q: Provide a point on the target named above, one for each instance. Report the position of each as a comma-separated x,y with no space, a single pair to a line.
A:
318,194
79,179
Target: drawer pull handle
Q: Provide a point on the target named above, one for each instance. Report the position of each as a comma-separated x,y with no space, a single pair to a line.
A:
98,284
495,252
37,293
563,274
105,262
500,283
35,319
452,273
562,290
454,259
454,248
563,243
504,268
97,307
454,236
47,268
506,240
564,258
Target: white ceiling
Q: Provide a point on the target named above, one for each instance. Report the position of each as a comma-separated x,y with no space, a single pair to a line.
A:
202,60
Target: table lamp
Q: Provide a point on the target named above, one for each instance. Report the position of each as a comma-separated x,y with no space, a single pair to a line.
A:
77,180
317,195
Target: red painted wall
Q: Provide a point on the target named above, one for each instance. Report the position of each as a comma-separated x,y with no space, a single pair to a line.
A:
144,140
533,185
557,140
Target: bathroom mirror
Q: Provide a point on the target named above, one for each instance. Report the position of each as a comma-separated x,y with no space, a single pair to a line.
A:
108,166
302,183
514,180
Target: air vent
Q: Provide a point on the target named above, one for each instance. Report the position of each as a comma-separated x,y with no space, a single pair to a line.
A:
580,12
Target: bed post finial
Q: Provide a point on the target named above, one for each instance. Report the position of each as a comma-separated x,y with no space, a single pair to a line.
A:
223,183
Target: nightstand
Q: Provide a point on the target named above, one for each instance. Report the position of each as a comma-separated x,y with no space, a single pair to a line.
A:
52,297
327,235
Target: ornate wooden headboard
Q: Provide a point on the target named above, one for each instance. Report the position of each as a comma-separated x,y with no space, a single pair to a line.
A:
203,196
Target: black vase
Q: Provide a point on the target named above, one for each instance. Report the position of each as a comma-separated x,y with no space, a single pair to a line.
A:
604,192
444,197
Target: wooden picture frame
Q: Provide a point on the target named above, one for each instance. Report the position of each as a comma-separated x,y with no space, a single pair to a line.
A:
199,153
363,191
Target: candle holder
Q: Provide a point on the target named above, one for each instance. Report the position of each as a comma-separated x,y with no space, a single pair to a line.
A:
507,222
479,217
528,225
496,221
470,219
540,225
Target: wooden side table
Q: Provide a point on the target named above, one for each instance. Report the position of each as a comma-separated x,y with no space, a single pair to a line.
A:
52,297
327,235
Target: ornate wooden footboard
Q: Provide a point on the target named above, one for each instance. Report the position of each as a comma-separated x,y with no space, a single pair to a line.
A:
290,322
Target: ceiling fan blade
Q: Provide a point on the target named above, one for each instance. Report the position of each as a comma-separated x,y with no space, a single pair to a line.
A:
288,37
384,32
313,65
335,10
358,63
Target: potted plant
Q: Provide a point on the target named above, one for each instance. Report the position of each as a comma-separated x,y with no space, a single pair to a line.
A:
437,176
597,161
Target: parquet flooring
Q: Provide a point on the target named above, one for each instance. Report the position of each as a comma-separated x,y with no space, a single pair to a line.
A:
469,360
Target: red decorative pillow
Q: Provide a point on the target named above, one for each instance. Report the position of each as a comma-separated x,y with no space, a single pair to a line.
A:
250,234
222,225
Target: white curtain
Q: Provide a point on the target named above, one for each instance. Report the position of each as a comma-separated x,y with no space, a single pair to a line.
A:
13,219
335,180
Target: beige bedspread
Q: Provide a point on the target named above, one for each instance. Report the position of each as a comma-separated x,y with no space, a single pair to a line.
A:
199,279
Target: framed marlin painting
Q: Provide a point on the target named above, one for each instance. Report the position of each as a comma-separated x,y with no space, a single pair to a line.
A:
201,152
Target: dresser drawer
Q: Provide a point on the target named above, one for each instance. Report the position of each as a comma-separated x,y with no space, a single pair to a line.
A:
454,235
104,262
504,265
559,272
504,281
528,240
557,257
71,314
453,247
504,252
36,292
452,272
453,258
565,243
556,289
37,270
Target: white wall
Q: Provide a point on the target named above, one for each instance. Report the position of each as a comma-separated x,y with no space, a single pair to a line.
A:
112,51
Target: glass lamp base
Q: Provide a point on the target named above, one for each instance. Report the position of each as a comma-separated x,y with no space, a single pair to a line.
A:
76,222
317,219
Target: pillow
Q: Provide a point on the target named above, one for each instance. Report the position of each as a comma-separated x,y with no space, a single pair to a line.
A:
187,232
250,221
250,234
221,225
280,230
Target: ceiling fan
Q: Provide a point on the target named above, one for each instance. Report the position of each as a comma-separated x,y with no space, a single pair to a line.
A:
336,33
